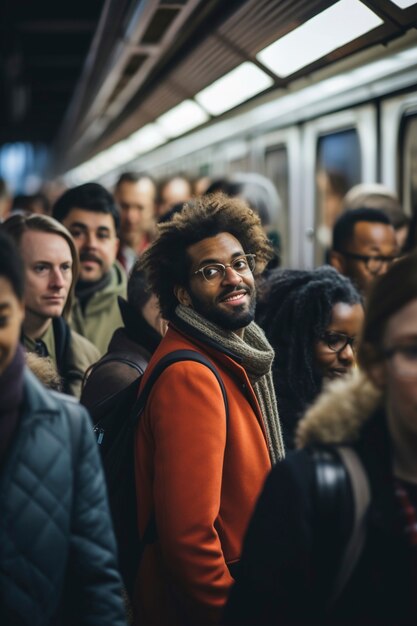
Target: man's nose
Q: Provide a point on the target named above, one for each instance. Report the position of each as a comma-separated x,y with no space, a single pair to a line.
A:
231,277
90,240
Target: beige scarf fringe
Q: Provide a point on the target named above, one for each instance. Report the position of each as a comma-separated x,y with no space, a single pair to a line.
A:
256,356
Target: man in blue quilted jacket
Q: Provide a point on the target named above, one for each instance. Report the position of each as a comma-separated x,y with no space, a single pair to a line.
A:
57,549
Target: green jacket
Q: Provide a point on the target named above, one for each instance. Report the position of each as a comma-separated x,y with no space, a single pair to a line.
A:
71,354
101,316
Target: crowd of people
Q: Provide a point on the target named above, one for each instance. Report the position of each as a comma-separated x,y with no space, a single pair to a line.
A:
265,417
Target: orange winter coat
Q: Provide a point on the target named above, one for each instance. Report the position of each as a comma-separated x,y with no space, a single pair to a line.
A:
202,478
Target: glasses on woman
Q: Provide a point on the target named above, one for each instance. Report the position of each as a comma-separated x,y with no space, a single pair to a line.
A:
336,342
403,360
374,264
215,272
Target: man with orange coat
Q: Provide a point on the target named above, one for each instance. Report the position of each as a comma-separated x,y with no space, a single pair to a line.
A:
199,465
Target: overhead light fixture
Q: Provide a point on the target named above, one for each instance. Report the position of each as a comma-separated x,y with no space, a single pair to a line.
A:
331,29
242,83
145,139
182,118
118,154
404,4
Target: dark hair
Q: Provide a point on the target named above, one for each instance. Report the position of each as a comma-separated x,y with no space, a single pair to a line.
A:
132,177
138,293
19,223
11,265
166,261
389,293
294,309
89,197
345,224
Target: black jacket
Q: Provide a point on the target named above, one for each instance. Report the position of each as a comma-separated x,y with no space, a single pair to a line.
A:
279,578
57,549
126,359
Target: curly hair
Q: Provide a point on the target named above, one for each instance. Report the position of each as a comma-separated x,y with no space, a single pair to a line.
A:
294,309
166,261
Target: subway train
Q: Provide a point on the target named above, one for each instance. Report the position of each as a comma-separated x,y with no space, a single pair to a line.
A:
352,121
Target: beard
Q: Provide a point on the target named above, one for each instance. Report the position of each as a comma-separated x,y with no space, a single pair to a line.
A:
235,319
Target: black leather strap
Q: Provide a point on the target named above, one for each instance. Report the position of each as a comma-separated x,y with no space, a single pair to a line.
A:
151,533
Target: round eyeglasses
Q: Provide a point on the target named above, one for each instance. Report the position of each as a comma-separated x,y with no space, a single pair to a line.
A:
403,360
336,342
215,272
374,264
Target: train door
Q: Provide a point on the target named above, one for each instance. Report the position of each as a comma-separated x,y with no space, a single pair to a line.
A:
338,151
281,158
399,148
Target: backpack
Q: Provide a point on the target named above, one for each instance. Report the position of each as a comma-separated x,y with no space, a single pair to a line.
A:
342,499
115,434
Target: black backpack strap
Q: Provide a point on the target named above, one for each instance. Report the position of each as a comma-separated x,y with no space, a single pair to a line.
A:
166,361
332,515
342,498
150,534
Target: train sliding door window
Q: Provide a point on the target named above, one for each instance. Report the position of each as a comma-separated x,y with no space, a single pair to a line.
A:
338,168
276,169
408,164
338,150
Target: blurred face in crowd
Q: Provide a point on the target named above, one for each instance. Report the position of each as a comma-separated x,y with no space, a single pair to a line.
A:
48,273
376,244
95,237
225,298
173,192
335,351
397,374
11,317
137,210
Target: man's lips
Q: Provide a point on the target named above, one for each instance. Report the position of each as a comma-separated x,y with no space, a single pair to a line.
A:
234,297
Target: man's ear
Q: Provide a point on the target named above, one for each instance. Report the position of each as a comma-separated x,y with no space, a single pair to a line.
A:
182,296
337,261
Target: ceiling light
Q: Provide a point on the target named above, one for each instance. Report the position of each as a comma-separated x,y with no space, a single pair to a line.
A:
146,139
331,29
404,4
182,118
233,88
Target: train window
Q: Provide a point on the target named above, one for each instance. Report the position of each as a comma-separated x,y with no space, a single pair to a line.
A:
276,169
338,167
409,164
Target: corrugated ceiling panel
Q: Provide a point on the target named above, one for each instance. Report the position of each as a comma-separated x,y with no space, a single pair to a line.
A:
210,60
260,22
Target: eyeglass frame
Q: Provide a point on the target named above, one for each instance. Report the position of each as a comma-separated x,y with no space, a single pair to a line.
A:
348,341
365,258
224,267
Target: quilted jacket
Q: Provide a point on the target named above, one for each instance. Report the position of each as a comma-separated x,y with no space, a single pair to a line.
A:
57,549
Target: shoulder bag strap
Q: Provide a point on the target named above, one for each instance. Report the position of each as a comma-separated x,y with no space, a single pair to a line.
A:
150,534
166,361
361,494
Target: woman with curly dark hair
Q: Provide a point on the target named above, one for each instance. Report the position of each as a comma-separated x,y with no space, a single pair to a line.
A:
312,320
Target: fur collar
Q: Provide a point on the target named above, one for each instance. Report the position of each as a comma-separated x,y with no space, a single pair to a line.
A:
339,413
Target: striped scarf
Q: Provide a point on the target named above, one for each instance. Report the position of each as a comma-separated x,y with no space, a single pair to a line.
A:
256,356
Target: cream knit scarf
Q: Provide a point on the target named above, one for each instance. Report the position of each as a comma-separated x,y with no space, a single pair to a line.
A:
256,356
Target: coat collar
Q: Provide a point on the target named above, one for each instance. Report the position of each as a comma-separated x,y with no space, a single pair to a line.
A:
340,412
